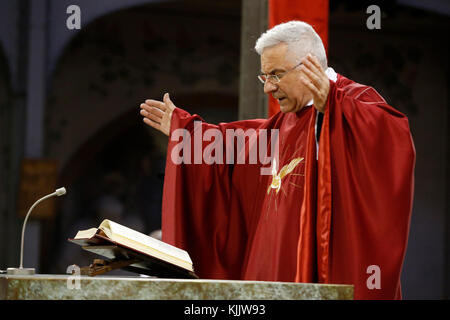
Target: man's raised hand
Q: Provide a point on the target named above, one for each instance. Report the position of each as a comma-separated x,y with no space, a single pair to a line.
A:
315,78
158,114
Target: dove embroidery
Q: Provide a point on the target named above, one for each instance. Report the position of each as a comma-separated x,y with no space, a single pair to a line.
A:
277,178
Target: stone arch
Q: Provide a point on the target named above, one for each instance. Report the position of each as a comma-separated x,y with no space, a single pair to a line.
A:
104,69
90,12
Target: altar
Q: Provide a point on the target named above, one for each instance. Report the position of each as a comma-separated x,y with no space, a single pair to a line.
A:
77,287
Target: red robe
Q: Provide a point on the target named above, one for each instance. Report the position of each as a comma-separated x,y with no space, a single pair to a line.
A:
331,221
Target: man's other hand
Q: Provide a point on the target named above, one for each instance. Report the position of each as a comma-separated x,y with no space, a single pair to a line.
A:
158,114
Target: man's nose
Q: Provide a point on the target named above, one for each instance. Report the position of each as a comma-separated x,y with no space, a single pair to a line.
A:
269,87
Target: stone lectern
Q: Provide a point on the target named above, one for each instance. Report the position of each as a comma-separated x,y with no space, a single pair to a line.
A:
70,287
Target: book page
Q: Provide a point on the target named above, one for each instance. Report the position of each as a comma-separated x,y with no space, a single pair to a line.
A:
120,233
86,234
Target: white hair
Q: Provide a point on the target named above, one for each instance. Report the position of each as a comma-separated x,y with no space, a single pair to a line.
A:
299,36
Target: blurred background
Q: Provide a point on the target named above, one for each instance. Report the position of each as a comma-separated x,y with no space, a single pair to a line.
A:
69,110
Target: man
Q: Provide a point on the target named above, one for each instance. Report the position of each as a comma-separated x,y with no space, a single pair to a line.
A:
337,206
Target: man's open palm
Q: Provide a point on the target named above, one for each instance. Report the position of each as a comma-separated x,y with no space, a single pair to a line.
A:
158,114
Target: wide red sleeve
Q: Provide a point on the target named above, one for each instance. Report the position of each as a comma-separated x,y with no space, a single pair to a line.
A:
365,191
202,211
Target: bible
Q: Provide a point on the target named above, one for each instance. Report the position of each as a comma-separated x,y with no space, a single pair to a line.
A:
146,255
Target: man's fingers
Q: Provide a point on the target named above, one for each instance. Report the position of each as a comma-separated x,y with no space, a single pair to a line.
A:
311,63
157,125
151,115
157,104
146,107
307,82
314,72
314,61
153,110
158,114
318,92
314,78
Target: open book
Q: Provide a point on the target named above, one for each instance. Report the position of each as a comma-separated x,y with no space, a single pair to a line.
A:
118,242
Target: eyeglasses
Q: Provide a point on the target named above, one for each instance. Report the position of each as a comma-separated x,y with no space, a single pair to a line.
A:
274,78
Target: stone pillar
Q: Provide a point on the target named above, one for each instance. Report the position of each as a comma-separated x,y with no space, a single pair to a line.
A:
252,99
13,131
36,88
36,79
24,122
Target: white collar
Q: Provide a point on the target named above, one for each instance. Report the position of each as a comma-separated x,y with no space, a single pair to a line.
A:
332,75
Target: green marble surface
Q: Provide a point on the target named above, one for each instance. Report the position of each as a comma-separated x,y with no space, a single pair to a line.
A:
63,287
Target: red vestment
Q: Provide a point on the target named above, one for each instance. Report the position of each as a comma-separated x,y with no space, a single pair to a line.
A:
331,220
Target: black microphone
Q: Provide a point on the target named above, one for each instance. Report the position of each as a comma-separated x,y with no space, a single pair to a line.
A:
21,270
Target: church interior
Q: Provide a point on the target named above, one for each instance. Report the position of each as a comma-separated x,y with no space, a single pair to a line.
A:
69,110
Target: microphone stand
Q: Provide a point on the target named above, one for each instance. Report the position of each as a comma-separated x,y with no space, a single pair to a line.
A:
30,271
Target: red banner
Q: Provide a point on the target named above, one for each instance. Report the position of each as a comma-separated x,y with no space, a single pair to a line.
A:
313,12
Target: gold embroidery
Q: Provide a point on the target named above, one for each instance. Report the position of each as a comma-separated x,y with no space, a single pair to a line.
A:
277,178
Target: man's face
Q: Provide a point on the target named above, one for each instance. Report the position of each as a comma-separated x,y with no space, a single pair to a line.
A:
291,94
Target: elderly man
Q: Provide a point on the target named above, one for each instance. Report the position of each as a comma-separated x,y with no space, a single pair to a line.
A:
337,206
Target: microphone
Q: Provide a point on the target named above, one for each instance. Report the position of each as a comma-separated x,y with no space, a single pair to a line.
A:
29,271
